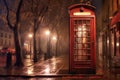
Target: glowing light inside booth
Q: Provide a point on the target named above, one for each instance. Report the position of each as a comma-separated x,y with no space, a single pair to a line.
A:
81,13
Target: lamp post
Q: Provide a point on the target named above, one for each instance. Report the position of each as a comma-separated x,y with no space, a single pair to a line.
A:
48,43
54,38
30,36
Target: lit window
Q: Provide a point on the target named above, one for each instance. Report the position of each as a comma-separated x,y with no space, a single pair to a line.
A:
81,13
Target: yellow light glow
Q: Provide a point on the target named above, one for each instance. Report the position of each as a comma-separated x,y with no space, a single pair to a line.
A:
79,29
47,70
25,44
81,13
54,38
117,44
30,35
79,33
47,32
30,70
84,29
108,41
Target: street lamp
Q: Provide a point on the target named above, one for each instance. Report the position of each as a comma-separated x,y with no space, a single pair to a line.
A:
47,32
48,44
54,38
30,36
26,46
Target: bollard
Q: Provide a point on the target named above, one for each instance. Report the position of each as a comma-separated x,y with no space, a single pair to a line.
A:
8,60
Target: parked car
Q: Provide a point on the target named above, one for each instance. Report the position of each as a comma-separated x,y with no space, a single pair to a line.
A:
5,50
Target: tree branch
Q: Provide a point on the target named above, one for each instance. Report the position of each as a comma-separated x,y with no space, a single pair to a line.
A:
18,12
7,16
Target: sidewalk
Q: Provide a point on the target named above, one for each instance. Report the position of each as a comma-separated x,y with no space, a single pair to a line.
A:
14,71
54,69
30,68
27,61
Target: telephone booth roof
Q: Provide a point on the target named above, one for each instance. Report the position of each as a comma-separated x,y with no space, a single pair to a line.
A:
84,7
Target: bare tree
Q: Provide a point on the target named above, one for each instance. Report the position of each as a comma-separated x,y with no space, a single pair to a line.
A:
56,20
37,8
13,21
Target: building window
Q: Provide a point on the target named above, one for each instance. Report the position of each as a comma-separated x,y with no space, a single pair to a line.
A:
10,36
115,41
1,34
5,43
112,43
117,46
1,41
9,43
118,39
115,5
5,35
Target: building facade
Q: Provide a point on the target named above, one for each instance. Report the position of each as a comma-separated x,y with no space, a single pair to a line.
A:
6,38
6,35
109,35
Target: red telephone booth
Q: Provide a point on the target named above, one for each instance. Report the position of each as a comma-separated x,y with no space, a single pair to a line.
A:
82,39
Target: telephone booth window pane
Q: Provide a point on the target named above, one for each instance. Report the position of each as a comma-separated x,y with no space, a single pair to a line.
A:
82,40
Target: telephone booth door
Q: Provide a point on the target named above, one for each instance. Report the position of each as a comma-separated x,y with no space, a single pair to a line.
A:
82,43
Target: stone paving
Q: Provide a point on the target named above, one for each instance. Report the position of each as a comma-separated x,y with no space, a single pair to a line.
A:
52,69
40,69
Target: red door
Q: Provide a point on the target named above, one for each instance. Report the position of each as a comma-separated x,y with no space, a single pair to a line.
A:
82,48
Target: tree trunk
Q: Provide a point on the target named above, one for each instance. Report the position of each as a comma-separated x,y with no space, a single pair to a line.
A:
18,49
34,43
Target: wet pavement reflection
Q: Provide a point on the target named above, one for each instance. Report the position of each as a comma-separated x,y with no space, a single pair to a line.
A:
51,69
43,68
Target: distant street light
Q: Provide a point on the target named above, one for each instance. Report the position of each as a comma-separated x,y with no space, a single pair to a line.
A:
48,44
26,46
47,32
54,38
30,36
